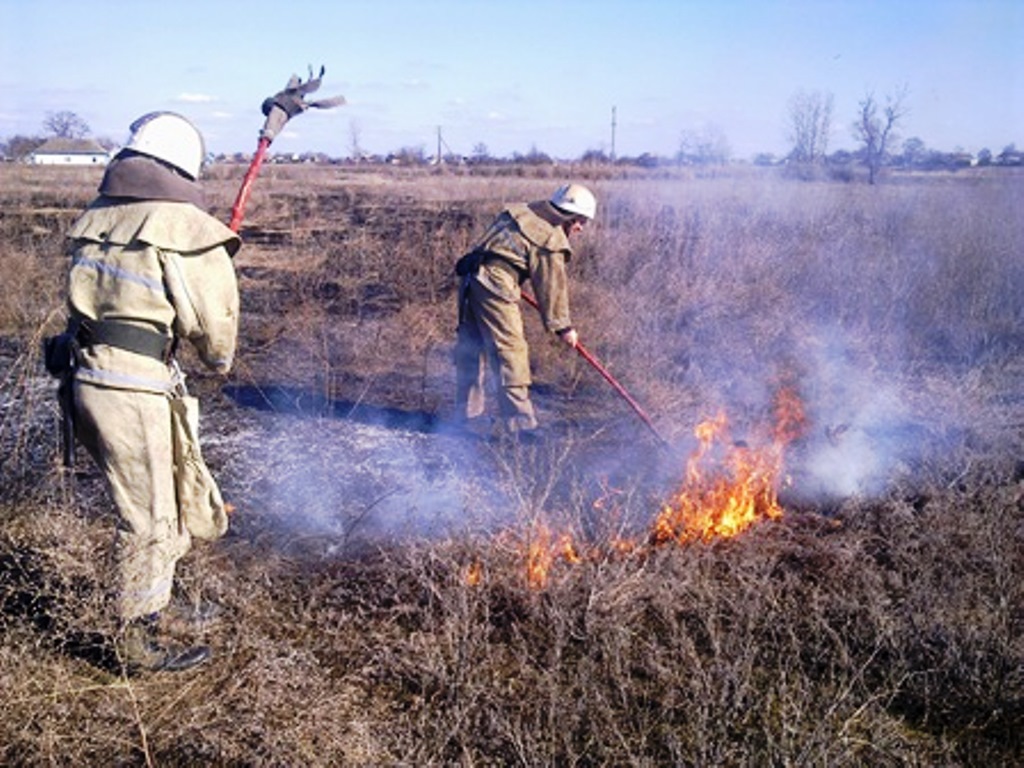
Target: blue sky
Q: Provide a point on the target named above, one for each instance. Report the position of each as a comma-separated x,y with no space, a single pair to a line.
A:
518,75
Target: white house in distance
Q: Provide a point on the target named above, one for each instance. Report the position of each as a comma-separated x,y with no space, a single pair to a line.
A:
61,151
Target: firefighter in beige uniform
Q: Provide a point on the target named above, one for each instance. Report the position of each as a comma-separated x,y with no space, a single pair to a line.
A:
150,267
526,242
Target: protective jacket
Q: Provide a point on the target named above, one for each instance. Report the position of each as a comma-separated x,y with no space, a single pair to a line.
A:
144,274
528,242
525,242
158,266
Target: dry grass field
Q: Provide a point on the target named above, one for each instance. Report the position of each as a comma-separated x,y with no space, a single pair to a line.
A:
399,593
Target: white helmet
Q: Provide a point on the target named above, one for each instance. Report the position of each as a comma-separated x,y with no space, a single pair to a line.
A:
169,137
575,198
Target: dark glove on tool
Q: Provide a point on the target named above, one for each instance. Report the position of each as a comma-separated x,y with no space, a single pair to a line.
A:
286,104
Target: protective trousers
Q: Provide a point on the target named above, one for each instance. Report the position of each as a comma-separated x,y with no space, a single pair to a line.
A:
490,334
128,434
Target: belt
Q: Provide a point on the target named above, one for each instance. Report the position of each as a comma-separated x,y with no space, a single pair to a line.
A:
489,257
132,338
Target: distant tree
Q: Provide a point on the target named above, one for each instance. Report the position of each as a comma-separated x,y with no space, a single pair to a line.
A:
594,157
841,157
707,146
533,157
66,125
19,147
810,123
480,153
934,160
985,156
1010,156
913,152
877,131
646,160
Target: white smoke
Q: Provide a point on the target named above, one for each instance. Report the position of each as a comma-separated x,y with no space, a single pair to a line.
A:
339,479
861,424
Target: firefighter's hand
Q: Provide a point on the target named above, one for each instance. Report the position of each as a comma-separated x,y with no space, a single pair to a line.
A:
570,337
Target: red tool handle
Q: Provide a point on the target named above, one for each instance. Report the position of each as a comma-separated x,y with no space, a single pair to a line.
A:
238,210
595,363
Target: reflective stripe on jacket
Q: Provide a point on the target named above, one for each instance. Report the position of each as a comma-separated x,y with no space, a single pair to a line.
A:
162,266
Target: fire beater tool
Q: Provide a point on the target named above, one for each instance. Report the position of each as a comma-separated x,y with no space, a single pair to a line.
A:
596,364
279,109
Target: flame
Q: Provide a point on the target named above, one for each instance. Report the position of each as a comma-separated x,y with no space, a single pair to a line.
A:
543,550
473,574
728,486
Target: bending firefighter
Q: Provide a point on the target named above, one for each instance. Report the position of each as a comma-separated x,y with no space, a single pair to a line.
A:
150,267
525,242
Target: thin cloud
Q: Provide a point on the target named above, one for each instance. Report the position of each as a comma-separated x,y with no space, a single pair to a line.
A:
195,98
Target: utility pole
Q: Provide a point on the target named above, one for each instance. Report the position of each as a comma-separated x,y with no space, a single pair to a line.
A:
442,145
613,135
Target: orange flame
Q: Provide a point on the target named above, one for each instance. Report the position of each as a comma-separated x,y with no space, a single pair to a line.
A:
742,491
544,550
727,487
473,574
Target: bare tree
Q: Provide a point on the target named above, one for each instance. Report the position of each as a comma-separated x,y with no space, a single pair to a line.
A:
877,131
18,147
480,153
810,123
66,125
914,151
705,146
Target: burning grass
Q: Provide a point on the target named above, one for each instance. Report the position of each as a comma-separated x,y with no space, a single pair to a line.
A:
822,569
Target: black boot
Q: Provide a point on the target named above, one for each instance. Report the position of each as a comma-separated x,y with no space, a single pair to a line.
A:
140,651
